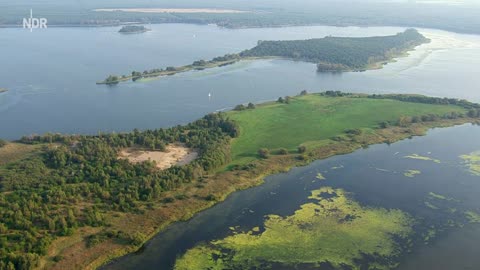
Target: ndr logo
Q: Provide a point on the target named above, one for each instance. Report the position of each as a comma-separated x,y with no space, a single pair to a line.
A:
34,23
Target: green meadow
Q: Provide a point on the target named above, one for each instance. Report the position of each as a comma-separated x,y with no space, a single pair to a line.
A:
313,120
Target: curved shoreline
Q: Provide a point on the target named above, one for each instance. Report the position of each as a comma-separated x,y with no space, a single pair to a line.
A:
282,164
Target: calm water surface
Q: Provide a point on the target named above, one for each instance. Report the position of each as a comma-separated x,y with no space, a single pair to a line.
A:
51,74
375,178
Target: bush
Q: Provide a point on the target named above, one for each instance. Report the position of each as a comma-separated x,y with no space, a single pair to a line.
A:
384,124
2,143
168,200
211,198
251,106
240,107
355,131
263,152
283,151
302,149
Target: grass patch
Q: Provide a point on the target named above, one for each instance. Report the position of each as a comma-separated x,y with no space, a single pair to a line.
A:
313,120
12,152
333,229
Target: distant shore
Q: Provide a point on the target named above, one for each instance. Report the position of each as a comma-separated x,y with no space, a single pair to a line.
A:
3,90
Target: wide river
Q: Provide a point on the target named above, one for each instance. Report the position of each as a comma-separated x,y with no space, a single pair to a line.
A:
51,74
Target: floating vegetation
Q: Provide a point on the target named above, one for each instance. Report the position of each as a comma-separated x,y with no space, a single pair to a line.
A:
411,173
472,216
430,234
332,230
431,206
472,161
418,157
337,167
320,176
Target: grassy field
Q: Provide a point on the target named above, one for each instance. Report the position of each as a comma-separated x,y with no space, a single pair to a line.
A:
15,151
312,120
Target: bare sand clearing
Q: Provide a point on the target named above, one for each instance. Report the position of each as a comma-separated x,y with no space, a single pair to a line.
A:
172,10
175,154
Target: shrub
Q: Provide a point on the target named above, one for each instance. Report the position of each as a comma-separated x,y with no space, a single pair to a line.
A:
283,151
211,197
240,107
2,143
384,124
302,149
263,152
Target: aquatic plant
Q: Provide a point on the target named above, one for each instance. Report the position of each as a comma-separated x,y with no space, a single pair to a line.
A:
411,173
418,157
333,229
472,161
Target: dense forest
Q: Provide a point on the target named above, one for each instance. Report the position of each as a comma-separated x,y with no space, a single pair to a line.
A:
340,53
75,179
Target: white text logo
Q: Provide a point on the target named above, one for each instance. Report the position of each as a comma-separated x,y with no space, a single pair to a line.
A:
34,23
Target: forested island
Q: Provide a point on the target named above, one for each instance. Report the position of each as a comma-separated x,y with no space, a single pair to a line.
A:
132,29
3,90
72,202
341,53
331,54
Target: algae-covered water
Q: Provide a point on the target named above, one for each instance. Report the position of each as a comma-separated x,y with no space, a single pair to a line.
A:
410,205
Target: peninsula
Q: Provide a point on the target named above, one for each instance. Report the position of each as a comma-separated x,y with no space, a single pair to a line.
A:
331,54
82,203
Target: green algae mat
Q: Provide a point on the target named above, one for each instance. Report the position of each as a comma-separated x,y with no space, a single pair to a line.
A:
331,229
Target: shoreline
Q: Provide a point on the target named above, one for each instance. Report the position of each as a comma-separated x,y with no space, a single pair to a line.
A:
228,26
231,182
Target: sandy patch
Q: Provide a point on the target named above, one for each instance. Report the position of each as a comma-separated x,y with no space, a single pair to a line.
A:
171,10
175,154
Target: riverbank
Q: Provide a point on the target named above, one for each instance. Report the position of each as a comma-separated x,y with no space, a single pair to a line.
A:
247,169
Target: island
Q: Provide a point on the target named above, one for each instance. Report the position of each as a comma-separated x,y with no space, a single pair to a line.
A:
133,29
79,201
3,90
331,54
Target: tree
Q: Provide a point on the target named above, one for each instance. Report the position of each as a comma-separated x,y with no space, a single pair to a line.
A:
303,93
112,79
240,107
199,63
287,99
280,100
251,106
263,152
